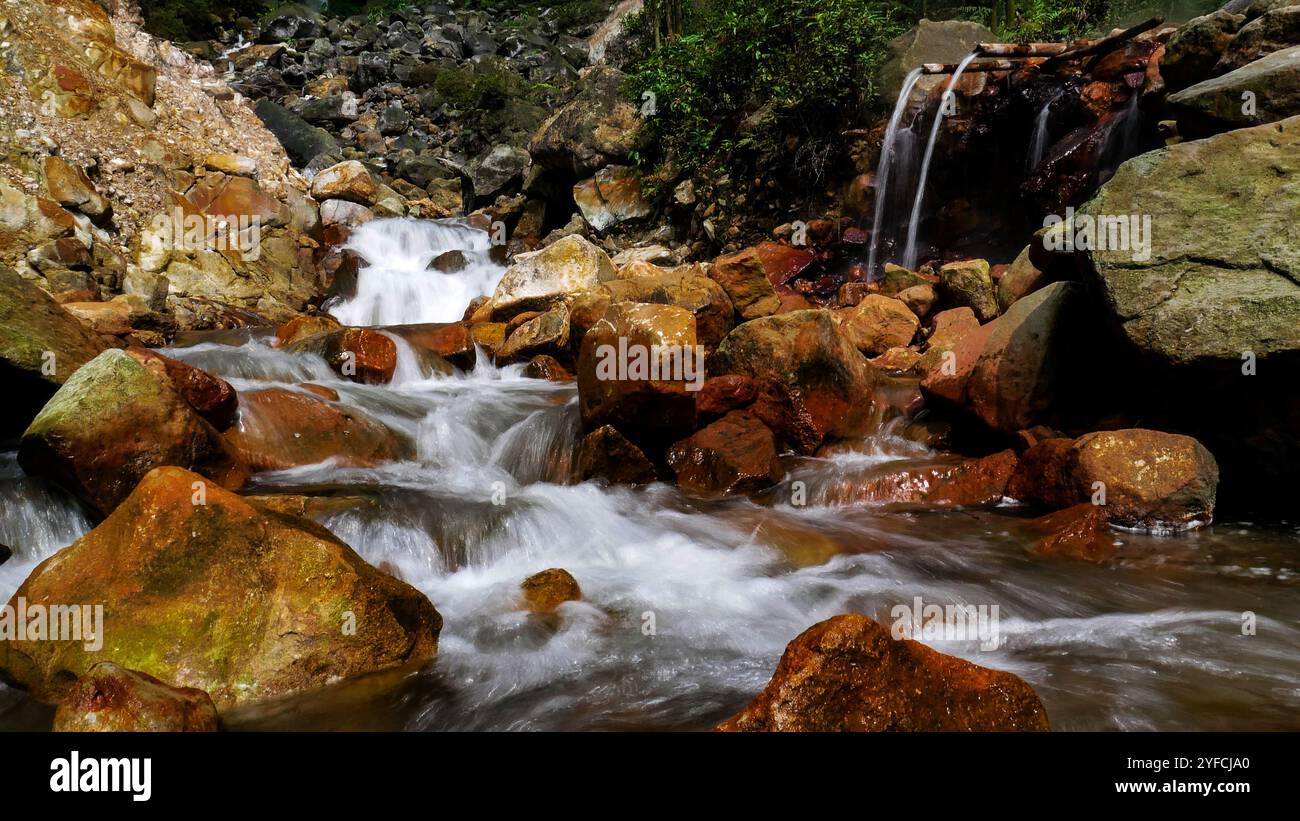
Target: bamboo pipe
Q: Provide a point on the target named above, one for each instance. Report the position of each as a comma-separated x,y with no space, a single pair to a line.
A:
1020,49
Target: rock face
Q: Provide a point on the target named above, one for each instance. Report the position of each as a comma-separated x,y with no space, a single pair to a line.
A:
237,601
113,422
41,345
1143,478
547,590
539,278
736,454
280,429
596,128
651,409
847,674
811,382
1223,276
110,699
1217,104
1014,380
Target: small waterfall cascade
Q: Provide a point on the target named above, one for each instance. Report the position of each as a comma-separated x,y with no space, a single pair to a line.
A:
888,154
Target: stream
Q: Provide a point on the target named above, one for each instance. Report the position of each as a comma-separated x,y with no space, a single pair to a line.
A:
688,605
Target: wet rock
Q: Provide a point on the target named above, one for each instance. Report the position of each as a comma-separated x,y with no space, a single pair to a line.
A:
1078,532
811,381
545,591
111,699
609,455
41,345
448,262
685,287
548,368
302,327
540,278
735,454
349,181
280,429
968,284
611,197
965,483
898,360
222,596
616,385
848,674
1217,104
744,277
1014,381
919,299
725,393
1144,478
452,341
548,333
594,129
359,354
111,423
878,323
211,396
954,349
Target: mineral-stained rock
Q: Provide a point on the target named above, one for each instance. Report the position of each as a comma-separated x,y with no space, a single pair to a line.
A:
1144,478
1078,532
811,382
540,278
547,367
616,385
955,348
607,454
968,284
359,354
597,127
847,674
724,393
280,429
348,180
213,397
1020,279
547,333
238,601
547,590
452,341
967,483
684,287
113,422
302,327
743,276
41,345
878,323
735,454
110,699
611,197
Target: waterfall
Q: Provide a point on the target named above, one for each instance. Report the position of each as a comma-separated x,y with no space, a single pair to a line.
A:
1038,145
909,254
883,167
1122,139
395,285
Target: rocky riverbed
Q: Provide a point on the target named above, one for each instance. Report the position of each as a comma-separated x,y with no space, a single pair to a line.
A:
474,421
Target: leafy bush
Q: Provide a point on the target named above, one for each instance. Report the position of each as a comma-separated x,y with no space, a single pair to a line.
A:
788,66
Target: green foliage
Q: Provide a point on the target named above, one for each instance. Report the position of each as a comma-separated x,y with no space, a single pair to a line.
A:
782,66
570,15
186,20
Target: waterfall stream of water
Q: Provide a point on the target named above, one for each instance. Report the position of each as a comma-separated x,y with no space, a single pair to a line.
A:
687,605
885,166
1039,142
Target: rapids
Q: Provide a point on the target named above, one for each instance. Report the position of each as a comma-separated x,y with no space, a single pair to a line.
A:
687,604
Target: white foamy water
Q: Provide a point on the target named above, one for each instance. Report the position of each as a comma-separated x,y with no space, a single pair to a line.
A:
395,285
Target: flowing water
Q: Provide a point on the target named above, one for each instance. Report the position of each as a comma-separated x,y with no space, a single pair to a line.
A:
914,221
688,605
889,158
1042,137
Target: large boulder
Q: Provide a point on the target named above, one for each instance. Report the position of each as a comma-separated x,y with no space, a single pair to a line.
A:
217,594
686,287
280,429
1221,103
111,699
1193,51
1223,273
1274,31
931,41
847,674
1144,478
736,454
539,278
41,345
113,422
811,381
617,385
878,323
597,127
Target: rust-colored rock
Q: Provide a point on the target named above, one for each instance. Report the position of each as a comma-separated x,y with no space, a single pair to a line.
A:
359,354
548,368
967,483
546,333
280,429
547,590
847,674
811,382
878,323
724,393
954,349
212,396
453,341
607,454
303,327
111,699
686,287
743,276
736,454
1079,532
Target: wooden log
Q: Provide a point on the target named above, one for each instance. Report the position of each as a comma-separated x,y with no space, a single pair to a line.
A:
1106,44
1021,49
977,66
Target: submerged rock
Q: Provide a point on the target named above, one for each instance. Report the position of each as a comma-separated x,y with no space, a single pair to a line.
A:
113,422
234,600
1078,532
280,429
111,699
847,674
968,482
547,590
1143,478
